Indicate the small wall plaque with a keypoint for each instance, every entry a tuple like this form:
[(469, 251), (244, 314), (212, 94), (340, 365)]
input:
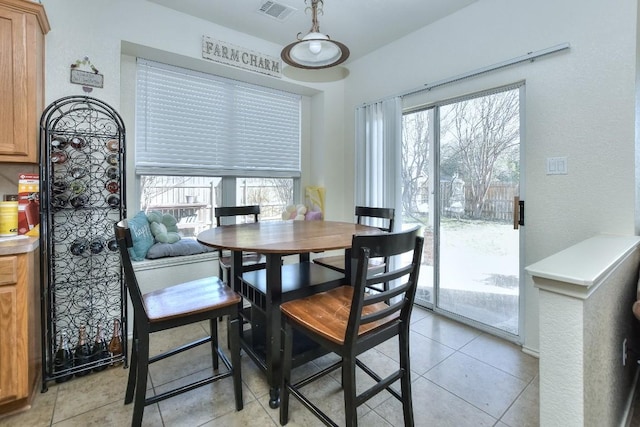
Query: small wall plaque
[(86, 78)]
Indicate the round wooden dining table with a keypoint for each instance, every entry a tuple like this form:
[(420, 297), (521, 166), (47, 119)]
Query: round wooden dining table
[(267, 289)]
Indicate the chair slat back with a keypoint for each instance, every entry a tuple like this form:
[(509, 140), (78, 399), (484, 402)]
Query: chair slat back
[(123, 237), (228, 211), (406, 246), (363, 212)]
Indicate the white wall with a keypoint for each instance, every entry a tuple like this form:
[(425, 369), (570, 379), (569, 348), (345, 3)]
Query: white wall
[(579, 104)]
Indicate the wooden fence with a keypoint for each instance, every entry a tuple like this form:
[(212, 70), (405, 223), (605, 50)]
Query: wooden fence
[(497, 206), (193, 201)]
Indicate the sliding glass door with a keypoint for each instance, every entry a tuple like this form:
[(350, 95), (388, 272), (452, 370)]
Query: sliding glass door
[(461, 175)]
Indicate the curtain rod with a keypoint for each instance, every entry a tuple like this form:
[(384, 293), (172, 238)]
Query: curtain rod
[(530, 57)]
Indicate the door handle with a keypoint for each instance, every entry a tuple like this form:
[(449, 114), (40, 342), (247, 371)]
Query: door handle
[(518, 212)]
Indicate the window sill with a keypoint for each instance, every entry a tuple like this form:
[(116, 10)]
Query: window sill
[(150, 264)]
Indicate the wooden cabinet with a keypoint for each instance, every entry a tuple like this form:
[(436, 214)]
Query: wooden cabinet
[(23, 25), (12, 384), (18, 330)]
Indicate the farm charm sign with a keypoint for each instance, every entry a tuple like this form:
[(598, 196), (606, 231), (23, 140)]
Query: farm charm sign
[(229, 54)]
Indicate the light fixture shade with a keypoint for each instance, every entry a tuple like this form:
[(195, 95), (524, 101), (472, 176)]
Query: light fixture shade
[(315, 53), (315, 50)]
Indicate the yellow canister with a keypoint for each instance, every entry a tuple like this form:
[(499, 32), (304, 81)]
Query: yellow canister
[(8, 218)]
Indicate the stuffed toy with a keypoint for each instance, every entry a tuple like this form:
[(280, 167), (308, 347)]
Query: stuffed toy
[(295, 212), (313, 216), (163, 227)]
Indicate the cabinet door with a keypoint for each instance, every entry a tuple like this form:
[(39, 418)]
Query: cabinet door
[(8, 350), (22, 82), (10, 387), (13, 90)]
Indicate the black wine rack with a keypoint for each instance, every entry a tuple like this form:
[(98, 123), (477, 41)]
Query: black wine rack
[(82, 195)]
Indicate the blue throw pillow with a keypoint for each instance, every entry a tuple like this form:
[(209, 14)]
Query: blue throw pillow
[(140, 235)]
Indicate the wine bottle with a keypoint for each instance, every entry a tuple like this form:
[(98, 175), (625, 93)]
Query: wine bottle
[(78, 142), (78, 173), (59, 142), (63, 359), (112, 187), (100, 350), (115, 345), (58, 202), (58, 156), (82, 354), (79, 246), (113, 201), (77, 186), (112, 159), (59, 187), (96, 246), (112, 245), (113, 145), (79, 201), (112, 172)]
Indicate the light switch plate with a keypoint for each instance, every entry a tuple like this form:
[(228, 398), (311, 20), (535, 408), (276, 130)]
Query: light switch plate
[(557, 166)]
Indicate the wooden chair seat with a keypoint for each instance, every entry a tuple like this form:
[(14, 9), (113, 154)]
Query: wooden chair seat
[(327, 314), (189, 298)]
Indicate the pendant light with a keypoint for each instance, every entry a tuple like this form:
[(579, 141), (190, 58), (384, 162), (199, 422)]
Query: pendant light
[(315, 50)]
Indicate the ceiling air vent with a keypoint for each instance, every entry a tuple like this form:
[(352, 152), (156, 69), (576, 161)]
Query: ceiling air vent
[(275, 10)]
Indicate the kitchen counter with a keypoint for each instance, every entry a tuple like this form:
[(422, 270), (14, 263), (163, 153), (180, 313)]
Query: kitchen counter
[(18, 245)]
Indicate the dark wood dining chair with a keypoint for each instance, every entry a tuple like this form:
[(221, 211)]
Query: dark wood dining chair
[(349, 321), (376, 265), (250, 260), (171, 307)]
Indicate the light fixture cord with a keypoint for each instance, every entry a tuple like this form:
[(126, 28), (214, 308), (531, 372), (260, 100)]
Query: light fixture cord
[(315, 26)]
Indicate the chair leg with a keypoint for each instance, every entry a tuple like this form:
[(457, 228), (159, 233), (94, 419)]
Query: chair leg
[(141, 380), (213, 330), (287, 343), (405, 381), (221, 276), (133, 368), (234, 341), (349, 386)]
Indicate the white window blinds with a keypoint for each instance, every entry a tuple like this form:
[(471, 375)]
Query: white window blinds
[(193, 123)]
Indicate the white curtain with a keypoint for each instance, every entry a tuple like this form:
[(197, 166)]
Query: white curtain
[(378, 155)]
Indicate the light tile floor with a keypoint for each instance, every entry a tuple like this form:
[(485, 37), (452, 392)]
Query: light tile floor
[(460, 377)]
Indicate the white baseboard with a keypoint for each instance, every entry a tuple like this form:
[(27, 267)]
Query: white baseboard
[(531, 352), (628, 408)]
